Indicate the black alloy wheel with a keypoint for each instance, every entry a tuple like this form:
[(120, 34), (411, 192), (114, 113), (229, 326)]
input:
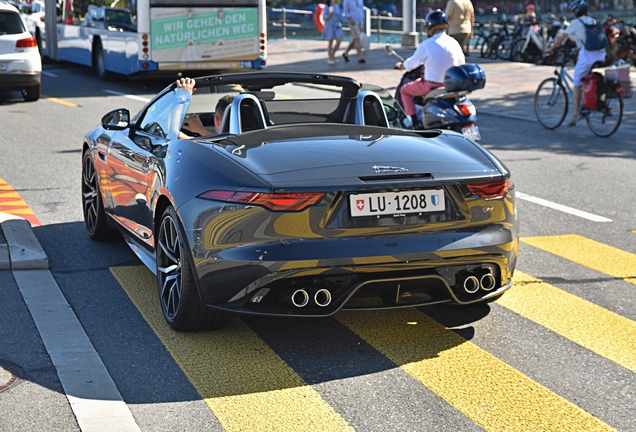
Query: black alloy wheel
[(93, 207), (178, 294)]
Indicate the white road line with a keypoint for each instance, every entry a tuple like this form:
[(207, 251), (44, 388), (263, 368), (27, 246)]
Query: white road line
[(50, 74), (563, 208), (138, 98), (89, 388)]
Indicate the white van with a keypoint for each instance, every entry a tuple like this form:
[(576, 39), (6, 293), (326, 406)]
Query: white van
[(20, 63)]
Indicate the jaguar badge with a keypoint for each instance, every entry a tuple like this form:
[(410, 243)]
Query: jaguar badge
[(386, 169)]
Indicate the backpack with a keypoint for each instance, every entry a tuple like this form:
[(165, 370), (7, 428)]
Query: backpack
[(595, 39)]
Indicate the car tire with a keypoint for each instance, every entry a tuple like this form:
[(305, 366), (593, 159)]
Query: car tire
[(38, 39), (178, 295), (31, 94), (92, 204), (99, 63)]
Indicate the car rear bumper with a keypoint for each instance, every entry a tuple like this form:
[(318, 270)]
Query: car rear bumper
[(319, 292), (19, 81), (254, 261), (384, 272)]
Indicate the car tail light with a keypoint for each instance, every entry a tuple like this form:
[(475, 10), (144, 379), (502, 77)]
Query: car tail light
[(273, 201), (29, 42), (491, 189), (466, 108)]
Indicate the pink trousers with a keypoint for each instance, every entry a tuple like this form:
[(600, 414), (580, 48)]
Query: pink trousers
[(419, 87)]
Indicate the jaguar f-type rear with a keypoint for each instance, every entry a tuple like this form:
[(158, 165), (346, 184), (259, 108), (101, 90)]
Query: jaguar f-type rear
[(312, 198)]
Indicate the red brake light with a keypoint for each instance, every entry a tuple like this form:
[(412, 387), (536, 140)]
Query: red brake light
[(466, 109), (273, 201), (491, 189), (29, 42)]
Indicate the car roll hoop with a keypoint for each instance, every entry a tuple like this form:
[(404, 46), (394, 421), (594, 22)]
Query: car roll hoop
[(369, 110), (243, 115)]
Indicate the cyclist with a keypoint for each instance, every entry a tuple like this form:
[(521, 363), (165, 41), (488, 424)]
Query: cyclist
[(437, 53), (586, 59)]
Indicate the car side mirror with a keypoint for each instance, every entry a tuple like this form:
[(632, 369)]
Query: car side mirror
[(118, 119)]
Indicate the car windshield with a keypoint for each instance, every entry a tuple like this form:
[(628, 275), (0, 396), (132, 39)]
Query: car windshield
[(286, 104), (296, 101), (10, 23)]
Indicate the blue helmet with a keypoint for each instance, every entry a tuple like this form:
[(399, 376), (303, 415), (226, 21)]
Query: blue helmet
[(435, 18), (579, 7)]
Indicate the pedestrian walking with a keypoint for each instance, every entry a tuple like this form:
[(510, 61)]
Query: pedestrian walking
[(332, 31), (353, 11), (461, 21)]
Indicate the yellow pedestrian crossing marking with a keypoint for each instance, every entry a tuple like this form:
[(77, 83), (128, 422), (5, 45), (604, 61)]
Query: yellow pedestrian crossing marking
[(488, 391), (227, 367), (593, 327), (589, 253), (244, 383)]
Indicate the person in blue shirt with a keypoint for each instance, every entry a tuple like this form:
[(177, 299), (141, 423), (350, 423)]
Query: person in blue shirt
[(332, 30)]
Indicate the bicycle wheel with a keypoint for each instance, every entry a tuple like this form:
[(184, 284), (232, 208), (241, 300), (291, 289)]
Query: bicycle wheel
[(515, 50), (604, 121), (551, 103), (503, 47), (476, 43), (487, 48)]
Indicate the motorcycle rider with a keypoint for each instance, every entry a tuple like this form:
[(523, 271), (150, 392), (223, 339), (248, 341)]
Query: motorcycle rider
[(437, 53), (586, 59)]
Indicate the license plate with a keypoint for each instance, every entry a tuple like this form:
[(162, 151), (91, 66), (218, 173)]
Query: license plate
[(397, 203), (472, 132), (3, 67)]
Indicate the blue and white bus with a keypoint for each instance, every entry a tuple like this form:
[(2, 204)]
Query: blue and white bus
[(132, 37)]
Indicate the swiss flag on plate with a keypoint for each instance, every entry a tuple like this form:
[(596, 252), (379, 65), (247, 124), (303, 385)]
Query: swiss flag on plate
[(360, 204)]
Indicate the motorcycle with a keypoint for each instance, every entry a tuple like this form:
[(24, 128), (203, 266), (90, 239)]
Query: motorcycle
[(446, 107), (622, 41)]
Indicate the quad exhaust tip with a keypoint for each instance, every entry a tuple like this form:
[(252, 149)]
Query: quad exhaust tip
[(300, 298), (487, 282), (322, 297), (472, 284)]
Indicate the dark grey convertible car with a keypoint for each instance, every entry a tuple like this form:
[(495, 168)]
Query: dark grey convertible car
[(310, 199)]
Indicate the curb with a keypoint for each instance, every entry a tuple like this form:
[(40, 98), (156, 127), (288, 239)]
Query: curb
[(22, 250)]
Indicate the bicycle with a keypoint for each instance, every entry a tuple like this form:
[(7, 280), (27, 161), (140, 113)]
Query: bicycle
[(551, 104), (529, 46), (498, 43), (478, 39)]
